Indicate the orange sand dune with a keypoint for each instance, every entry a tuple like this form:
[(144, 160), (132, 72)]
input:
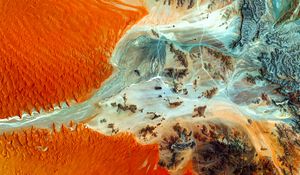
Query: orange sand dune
[(76, 151), (53, 51)]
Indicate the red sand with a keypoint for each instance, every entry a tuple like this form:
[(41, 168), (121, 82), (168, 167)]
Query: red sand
[(78, 152), (54, 51)]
